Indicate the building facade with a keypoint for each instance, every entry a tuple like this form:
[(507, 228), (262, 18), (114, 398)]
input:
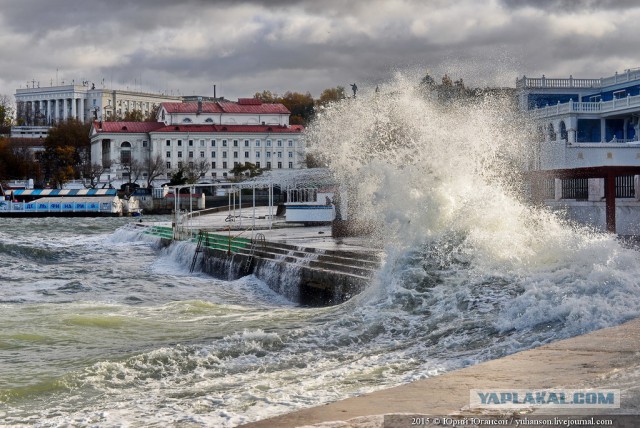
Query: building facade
[(585, 158), (39, 108), (212, 137)]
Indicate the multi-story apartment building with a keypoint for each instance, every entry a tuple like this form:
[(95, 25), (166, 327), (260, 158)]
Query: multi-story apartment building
[(216, 136)]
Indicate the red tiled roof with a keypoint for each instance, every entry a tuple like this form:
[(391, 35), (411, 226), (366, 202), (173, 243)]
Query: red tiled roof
[(192, 107), (230, 107), (127, 127), (241, 107), (231, 128)]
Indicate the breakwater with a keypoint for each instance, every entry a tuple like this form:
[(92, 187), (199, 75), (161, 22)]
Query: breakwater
[(303, 274)]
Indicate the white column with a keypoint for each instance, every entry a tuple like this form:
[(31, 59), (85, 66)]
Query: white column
[(49, 103), (64, 108), (33, 112), (74, 114), (82, 100)]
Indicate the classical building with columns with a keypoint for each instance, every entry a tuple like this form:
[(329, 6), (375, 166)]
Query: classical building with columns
[(585, 157), (38, 108), (214, 136)]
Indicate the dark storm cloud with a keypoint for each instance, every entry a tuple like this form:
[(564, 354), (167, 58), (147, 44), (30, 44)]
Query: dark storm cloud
[(572, 5), (307, 45)]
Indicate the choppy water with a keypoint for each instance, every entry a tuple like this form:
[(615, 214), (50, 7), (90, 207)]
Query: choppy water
[(100, 326)]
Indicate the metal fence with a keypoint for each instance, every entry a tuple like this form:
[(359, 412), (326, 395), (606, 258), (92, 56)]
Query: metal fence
[(625, 187), (575, 188)]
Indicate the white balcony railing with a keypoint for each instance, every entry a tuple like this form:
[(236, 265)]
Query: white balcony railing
[(587, 107), (544, 82)]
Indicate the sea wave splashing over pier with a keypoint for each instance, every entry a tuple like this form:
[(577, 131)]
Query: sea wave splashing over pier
[(439, 185), (106, 328)]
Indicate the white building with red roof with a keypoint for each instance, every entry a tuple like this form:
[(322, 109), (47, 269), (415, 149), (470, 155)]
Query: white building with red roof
[(211, 137)]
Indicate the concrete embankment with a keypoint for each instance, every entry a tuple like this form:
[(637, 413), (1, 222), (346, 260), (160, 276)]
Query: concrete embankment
[(607, 358), (303, 264)]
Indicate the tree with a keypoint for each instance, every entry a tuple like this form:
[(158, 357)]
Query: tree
[(196, 170), (6, 114), (241, 168), (152, 116), (300, 105), (66, 152), (331, 95), (94, 171), (178, 178), (266, 96), (133, 116), (154, 168)]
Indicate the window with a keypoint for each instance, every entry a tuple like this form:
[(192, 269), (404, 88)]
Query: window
[(201, 154), (246, 154), (235, 155), (268, 165), (213, 154), (257, 143), (257, 155), (279, 154), (186, 120), (214, 174), (180, 164), (179, 154), (268, 143), (179, 142), (168, 154), (279, 143), (246, 143), (190, 164), (235, 164), (268, 154), (224, 154), (209, 120), (145, 144), (201, 143), (258, 164), (213, 143), (224, 143), (168, 165), (190, 154), (168, 143), (290, 143), (235, 143), (224, 174), (213, 165), (290, 164), (279, 164), (190, 143), (224, 166), (290, 154)]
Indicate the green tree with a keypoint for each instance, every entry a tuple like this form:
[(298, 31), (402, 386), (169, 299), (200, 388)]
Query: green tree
[(67, 151), (331, 95), (241, 170), (6, 114), (300, 105), (267, 96), (133, 116)]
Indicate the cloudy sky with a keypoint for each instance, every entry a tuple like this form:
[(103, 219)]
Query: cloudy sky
[(186, 46)]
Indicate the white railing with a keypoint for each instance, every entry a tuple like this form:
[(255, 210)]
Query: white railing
[(587, 107), (544, 82)]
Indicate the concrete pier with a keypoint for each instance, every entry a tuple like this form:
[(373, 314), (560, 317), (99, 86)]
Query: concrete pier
[(607, 358)]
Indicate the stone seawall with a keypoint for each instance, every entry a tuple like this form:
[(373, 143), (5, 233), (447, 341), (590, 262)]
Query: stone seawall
[(307, 280)]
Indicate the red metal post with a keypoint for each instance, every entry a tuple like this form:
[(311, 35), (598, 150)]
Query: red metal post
[(610, 201)]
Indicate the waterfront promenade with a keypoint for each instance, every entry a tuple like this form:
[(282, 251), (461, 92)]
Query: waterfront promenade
[(606, 358)]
